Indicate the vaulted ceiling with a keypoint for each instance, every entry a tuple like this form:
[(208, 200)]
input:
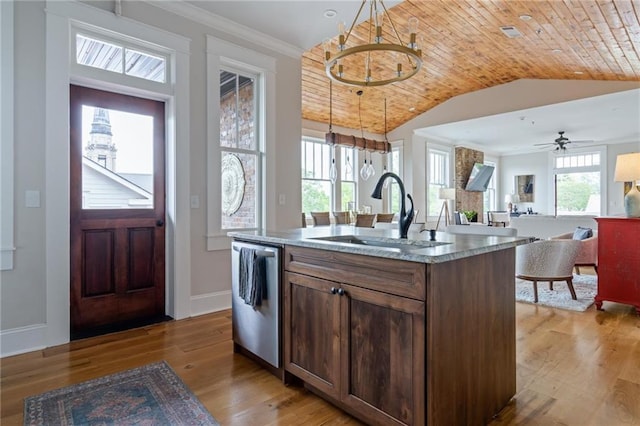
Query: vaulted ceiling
[(464, 50)]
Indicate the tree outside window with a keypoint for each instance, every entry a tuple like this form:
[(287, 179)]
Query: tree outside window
[(578, 184)]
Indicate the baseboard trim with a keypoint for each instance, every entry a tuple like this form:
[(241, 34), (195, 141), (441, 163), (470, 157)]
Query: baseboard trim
[(210, 302), (16, 341)]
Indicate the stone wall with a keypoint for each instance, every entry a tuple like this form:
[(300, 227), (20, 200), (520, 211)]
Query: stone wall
[(465, 158)]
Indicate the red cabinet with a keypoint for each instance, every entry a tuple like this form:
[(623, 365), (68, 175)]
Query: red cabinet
[(618, 261)]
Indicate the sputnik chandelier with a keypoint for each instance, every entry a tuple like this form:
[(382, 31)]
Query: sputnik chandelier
[(379, 61)]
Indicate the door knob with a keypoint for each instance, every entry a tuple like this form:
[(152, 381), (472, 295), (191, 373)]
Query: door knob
[(159, 222)]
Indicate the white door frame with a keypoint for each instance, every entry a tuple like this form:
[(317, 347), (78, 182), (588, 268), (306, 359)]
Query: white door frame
[(59, 18)]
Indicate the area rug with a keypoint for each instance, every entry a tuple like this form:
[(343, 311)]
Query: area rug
[(148, 395), (585, 285)]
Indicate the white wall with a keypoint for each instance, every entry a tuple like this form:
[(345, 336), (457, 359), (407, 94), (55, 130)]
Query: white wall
[(23, 290)]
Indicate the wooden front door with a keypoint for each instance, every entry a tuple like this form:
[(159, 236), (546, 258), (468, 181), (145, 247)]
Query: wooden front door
[(117, 209)]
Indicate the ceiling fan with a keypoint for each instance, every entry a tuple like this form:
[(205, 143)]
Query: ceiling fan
[(561, 142)]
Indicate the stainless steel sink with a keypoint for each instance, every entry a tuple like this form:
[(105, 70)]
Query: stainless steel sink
[(379, 242)]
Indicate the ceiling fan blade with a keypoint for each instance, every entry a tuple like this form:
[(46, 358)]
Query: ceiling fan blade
[(540, 144), (584, 141)]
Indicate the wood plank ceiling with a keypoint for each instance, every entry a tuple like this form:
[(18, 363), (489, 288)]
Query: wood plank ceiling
[(464, 50)]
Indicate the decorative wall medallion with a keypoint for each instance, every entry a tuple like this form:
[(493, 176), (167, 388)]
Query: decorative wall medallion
[(232, 184)]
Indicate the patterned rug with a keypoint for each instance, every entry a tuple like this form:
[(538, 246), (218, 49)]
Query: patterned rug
[(585, 285), (148, 395)]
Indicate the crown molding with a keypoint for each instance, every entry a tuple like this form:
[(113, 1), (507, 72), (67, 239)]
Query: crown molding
[(227, 26)]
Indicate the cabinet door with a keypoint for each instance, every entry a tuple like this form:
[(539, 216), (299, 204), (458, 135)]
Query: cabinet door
[(312, 331), (383, 350)]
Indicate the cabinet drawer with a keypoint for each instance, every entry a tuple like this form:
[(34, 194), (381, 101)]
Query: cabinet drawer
[(386, 275)]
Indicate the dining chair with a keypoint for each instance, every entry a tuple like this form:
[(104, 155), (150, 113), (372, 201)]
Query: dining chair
[(385, 217), (320, 218), (548, 260), (498, 218), (341, 218), (304, 220), (365, 220)]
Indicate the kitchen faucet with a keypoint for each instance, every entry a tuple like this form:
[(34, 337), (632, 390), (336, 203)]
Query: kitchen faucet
[(405, 217)]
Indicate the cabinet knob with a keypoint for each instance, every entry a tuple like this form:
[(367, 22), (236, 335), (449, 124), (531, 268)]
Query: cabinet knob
[(334, 290), (341, 291)]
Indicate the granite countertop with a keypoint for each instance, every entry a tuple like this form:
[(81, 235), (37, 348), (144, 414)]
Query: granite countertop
[(385, 242)]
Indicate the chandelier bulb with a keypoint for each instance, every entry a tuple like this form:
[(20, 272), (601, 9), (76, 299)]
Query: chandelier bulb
[(413, 29), (379, 20), (326, 46), (341, 37)]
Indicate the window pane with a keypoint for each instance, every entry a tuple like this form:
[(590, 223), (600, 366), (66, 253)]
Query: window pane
[(98, 54), (228, 109), (237, 111), (246, 113), (394, 196), (239, 178), (348, 194), (316, 195), (578, 193), (143, 65), (117, 159)]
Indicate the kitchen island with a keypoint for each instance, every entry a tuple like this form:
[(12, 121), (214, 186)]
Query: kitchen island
[(395, 331)]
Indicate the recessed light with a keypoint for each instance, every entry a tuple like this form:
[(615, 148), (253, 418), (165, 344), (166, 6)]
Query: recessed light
[(556, 51), (578, 72), (330, 13), (525, 17), (412, 109)]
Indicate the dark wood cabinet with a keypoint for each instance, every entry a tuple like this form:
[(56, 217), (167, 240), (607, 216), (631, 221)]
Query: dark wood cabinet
[(618, 261), (399, 342), (358, 346), (312, 332)]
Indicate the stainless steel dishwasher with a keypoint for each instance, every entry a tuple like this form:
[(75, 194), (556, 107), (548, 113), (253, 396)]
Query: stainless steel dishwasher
[(258, 330)]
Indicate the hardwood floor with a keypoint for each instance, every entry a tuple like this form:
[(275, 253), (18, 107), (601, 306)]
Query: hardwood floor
[(573, 369)]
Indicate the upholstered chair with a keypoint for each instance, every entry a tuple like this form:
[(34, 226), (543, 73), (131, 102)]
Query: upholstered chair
[(548, 260), (588, 254), (320, 218)]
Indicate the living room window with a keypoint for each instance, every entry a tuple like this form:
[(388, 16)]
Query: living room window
[(318, 192), (394, 164), (438, 160), (489, 196), (578, 183)]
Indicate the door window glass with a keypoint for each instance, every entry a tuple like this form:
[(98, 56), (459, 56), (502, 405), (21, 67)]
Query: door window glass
[(117, 159)]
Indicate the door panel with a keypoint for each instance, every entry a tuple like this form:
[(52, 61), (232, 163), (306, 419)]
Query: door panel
[(117, 208), (98, 254), (312, 344), (385, 349)]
